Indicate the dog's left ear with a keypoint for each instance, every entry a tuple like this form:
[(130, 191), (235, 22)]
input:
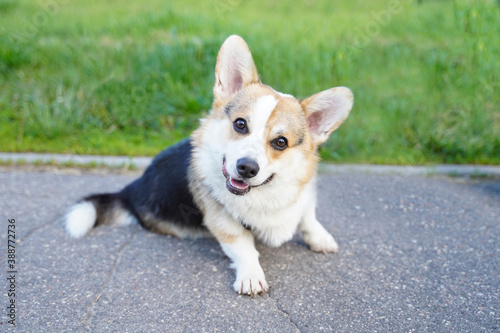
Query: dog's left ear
[(326, 111), (235, 68)]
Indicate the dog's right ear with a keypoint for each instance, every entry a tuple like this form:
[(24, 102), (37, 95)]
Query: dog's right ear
[(235, 68)]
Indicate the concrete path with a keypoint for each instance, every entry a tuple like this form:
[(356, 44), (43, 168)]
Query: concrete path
[(417, 255)]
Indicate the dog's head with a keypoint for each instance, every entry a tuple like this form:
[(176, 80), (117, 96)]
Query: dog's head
[(259, 136)]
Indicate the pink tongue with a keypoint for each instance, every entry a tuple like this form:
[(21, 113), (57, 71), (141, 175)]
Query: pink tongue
[(238, 184)]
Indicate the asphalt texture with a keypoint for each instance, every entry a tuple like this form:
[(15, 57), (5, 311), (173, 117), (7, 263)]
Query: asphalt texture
[(417, 254)]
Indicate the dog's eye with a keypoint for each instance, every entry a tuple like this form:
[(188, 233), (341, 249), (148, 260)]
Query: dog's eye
[(280, 143), (240, 125)]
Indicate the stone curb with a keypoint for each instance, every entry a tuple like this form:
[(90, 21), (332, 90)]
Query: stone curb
[(71, 159), (462, 170), (143, 162)]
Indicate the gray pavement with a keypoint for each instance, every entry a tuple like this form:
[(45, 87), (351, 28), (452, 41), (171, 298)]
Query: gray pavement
[(418, 254)]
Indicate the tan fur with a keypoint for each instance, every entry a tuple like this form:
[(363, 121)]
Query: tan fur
[(164, 227), (221, 235), (287, 115)]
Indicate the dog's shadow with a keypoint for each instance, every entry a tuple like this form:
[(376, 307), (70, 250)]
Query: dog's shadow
[(196, 262)]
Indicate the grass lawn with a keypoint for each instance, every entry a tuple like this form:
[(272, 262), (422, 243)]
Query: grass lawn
[(130, 77)]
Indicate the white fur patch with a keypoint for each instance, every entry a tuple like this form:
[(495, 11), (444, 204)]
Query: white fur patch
[(263, 108), (283, 94), (80, 219), (250, 278)]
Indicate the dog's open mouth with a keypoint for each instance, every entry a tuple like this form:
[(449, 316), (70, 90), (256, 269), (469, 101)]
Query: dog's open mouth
[(238, 186)]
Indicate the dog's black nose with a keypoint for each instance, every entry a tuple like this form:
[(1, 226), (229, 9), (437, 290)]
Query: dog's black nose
[(247, 168)]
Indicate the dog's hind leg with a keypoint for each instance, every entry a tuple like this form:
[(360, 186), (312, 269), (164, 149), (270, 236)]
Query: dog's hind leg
[(314, 234)]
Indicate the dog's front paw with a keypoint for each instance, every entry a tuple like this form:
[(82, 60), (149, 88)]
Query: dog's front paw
[(251, 284), (322, 243)]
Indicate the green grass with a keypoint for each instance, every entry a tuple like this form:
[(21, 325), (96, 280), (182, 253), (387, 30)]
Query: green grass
[(125, 77)]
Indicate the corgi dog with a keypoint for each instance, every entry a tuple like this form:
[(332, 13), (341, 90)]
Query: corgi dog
[(248, 172)]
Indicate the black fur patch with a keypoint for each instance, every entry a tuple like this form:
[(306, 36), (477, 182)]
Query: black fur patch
[(163, 192), (246, 226)]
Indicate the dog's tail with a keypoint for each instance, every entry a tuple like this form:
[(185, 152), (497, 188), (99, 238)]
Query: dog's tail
[(95, 210)]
